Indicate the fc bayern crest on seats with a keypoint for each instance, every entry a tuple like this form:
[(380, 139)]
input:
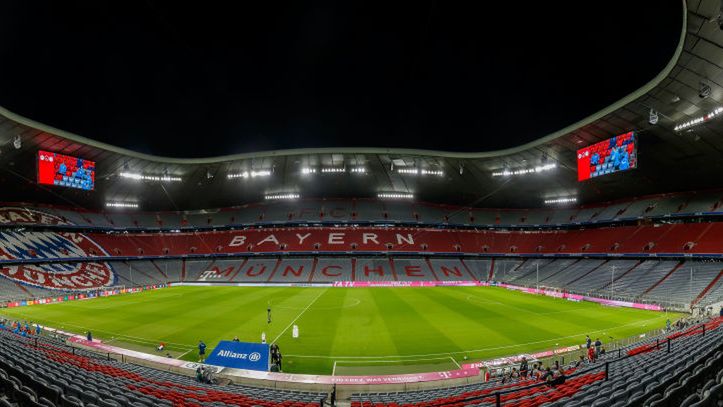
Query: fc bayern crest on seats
[(30, 216), (65, 276)]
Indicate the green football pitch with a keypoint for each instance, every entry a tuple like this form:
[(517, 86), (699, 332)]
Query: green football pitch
[(347, 330)]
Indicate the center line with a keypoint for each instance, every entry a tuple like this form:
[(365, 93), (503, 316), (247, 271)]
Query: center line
[(297, 317)]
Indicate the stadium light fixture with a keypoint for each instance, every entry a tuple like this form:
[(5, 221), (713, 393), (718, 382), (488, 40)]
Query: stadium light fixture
[(525, 171), (359, 170), (131, 205), (308, 170), (250, 174), (332, 170), (288, 196), (570, 199), (412, 171), (699, 120), (416, 171), (143, 177), (394, 195)]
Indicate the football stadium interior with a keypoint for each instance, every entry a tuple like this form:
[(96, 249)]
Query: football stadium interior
[(381, 277)]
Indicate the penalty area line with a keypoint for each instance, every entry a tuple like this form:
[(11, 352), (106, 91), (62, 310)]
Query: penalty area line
[(297, 317)]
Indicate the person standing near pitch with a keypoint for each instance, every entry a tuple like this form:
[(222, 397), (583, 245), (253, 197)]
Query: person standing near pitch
[(201, 351), (268, 314)]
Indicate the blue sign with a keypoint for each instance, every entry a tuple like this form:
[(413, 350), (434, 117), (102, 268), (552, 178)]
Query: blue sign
[(240, 355)]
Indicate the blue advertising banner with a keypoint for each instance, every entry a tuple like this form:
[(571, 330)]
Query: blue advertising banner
[(240, 355)]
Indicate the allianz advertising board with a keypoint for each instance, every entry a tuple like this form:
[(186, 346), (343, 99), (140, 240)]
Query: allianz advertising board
[(240, 355)]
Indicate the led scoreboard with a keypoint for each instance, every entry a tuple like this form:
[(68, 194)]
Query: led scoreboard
[(616, 154), (65, 171)]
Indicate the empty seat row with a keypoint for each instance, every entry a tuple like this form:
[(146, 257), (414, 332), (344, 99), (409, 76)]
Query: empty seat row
[(49, 374), (361, 210), (657, 377)]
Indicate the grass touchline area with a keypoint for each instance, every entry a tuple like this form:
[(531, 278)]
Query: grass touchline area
[(347, 330)]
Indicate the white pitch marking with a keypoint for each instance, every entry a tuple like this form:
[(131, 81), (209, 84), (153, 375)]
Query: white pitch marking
[(517, 345), (474, 299), (355, 302), (184, 354), (297, 317), (392, 361)]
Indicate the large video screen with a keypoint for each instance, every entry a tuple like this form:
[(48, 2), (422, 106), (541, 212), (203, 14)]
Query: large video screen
[(65, 171), (616, 154)]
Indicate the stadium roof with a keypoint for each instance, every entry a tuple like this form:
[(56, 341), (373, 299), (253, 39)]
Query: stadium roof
[(670, 160)]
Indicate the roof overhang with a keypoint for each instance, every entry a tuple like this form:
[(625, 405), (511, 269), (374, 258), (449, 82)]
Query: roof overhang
[(669, 160)]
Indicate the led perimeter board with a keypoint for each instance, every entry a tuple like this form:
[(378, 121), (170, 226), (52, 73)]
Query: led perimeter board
[(616, 154), (65, 171)]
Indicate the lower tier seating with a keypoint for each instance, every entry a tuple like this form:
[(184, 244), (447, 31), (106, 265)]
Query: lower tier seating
[(49, 374), (691, 371), (679, 238), (684, 368), (665, 282)]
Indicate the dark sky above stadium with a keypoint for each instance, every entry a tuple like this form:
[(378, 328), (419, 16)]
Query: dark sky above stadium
[(213, 78)]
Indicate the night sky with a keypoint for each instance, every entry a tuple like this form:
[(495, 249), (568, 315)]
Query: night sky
[(206, 79)]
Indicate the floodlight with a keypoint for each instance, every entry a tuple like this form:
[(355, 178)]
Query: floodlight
[(525, 171), (286, 196), (249, 174), (131, 205), (144, 177), (561, 200), (394, 195), (699, 120)]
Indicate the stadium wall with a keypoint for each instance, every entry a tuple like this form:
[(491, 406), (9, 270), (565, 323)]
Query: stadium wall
[(671, 283)]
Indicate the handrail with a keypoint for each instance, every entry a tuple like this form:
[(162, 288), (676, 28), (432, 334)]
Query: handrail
[(499, 393), (668, 305)]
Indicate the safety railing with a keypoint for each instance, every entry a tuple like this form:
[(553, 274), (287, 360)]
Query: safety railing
[(603, 366), (666, 344)]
